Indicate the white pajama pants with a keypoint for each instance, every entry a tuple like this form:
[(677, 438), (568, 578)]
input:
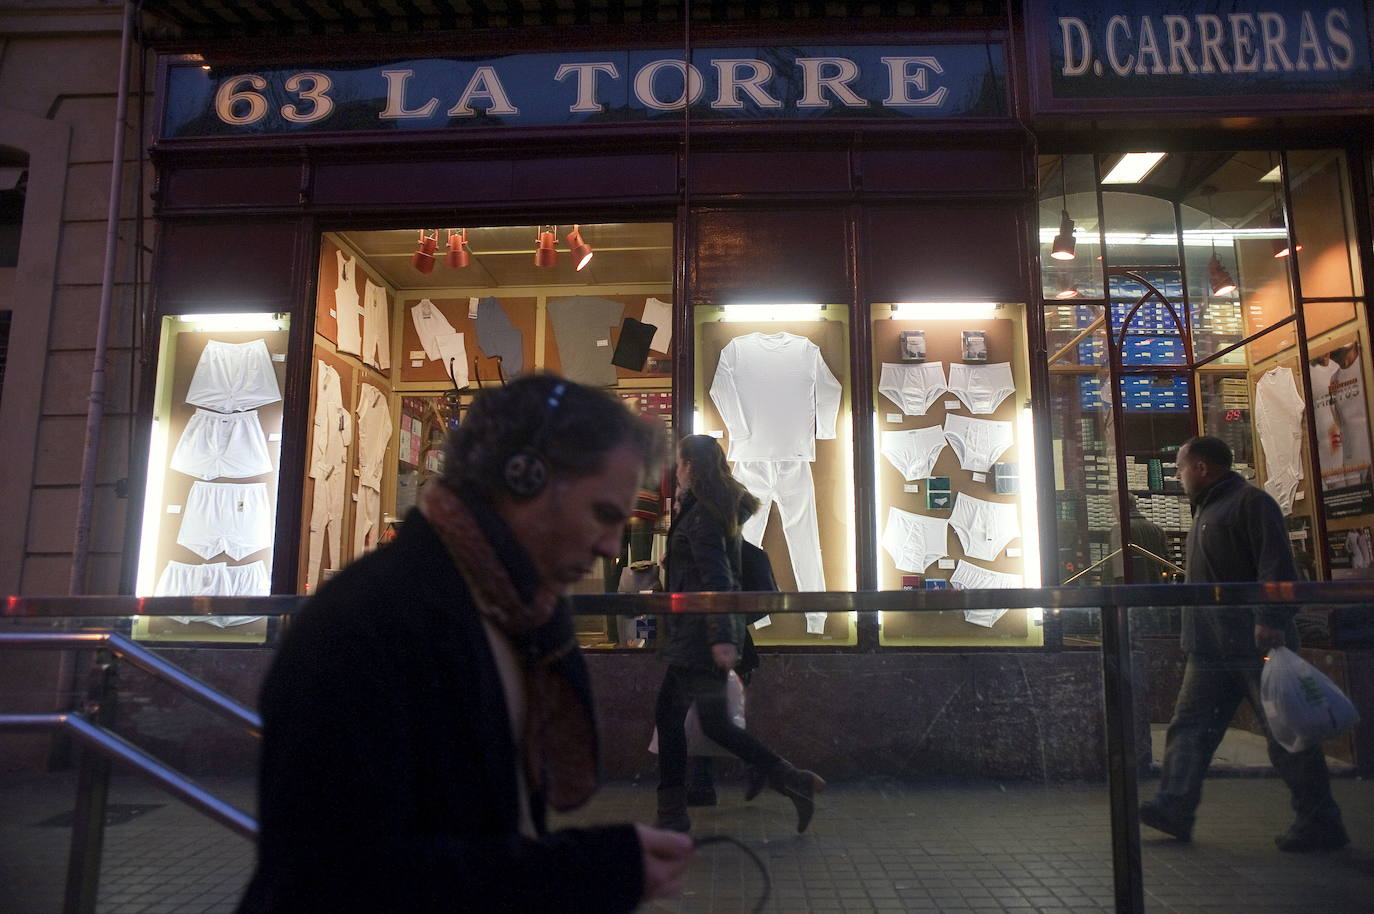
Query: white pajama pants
[(788, 482), (376, 328), (368, 527), (326, 519)]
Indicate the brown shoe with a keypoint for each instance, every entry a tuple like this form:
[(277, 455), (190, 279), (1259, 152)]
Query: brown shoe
[(799, 786)]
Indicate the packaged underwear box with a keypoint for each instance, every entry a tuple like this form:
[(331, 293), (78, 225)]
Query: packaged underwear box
[(1006, 478), (939, 494)]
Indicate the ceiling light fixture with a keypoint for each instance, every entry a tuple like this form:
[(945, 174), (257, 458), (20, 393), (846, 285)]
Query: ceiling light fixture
[(1133, 167), (581, 250), (458, 254), (546, 254), (423, 258), (1064, 247), (1069, 291), (1219, 281)]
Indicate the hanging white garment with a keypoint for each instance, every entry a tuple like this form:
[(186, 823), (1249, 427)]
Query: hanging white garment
[(347, 308), (333, 433), (776, 396), (789, 484), (374, 431), (1278, 419), (376, 327)]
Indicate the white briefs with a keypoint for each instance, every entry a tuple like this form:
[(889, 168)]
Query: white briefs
[(977, 442), (912, 387), (231, 377), (215, 579), (983, 527), (228, 517), (914, 451), (982, 388), (914, 540), (215, 445), (968, 576)]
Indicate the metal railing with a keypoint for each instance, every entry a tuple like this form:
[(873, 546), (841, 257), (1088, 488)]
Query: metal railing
[(101, 747), (1113, 602)]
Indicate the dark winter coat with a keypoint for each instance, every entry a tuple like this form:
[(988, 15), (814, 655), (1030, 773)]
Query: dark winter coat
[(701, 556), (1238, 534), (387, 777)]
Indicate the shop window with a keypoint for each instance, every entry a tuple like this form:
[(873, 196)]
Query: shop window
[(1200, 267), (214, 460), (410, 325), (955, 469), (781, 372)]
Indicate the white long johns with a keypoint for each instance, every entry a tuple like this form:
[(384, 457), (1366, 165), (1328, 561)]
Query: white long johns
[(789, 484), (376, 327), (333, 433), (1278, 419), (374, 431)]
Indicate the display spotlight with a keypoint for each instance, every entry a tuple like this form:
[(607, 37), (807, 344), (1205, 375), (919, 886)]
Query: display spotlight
[(1064, 247), (1219, 278), (458, 254), (423, 258), (581, 250), (1281, 248), (1070, 291), (546, 255)]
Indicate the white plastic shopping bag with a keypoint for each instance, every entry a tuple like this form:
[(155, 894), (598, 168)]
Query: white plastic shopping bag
[(698, 743), (1303, 707)]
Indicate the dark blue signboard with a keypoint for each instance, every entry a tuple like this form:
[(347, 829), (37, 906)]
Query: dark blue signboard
[(1142, 49), (937, 81)]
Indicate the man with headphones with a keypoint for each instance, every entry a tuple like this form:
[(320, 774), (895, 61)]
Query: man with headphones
[(430, 702)]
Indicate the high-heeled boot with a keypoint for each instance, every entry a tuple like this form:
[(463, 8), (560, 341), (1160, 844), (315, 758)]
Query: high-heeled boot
[(672, 809), (798, 785)]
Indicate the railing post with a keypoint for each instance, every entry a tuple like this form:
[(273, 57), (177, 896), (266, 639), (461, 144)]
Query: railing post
[(1119, 700), (92, 792)]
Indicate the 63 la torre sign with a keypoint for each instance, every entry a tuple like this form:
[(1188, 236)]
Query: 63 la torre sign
[(1206, 49), (936, 81)]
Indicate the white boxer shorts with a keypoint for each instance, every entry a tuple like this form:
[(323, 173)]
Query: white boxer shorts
[(233, 518), (215, 445), (231, 377)]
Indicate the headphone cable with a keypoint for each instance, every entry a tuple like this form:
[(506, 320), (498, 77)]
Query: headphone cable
[(763, 870)]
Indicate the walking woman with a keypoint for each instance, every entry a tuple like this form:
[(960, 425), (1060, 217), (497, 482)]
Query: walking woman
[(700, 650)]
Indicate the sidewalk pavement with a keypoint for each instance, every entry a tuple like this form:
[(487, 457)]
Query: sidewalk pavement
[(874, 847)]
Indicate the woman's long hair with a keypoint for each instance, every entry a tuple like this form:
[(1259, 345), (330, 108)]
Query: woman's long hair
[(712, 484)]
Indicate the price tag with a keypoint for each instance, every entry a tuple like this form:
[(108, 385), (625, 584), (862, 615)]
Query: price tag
[(333, 313), (417, 363), (945, 564), (603, 342), (355, 496), (1300, 495), (980, 477), (473, 304), (1013, 552), (952, 404), (174, 509), (279, 357), (912, 487), (894, 417), (275, 436), (417, 353)]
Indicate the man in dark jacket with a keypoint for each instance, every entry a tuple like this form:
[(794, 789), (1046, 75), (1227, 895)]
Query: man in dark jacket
[(430, 700), (1238, 534)]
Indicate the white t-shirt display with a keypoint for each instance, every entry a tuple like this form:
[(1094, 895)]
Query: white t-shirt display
[(1278, 419), (776, 396)]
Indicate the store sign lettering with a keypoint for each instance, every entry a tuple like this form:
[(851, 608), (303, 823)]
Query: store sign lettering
[(1207, 48), (943, 81)]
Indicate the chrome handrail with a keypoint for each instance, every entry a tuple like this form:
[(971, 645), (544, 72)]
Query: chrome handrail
[(1061, 597), (120, 750), (145, 660)]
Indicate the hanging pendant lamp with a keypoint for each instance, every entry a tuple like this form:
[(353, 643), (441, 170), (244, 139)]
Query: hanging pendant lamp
[(458, 255), (581, 251), (546, 255)]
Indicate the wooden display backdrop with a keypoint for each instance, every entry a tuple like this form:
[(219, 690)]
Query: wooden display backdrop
[(944, 343), (345, 366), (834, 498), (632, 306)]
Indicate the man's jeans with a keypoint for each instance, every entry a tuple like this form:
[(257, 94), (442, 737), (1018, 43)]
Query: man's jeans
[(1212, 690)]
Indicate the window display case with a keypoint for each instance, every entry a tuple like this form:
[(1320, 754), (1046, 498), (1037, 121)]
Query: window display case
[(772, 382), (213, 469), (955, 467)]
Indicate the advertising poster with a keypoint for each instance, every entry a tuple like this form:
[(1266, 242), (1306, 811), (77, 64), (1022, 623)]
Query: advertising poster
[(1352, 553), (1342, 417)]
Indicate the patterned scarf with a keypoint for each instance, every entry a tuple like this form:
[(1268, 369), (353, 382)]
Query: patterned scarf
[(561, 751)]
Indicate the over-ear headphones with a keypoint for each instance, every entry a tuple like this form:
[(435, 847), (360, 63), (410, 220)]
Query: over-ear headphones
[(526, 472)]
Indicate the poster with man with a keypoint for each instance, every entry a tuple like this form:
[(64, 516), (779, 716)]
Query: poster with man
[(1342, 416)]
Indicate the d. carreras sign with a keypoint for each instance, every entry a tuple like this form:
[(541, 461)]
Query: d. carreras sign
[(1208, 49), (966, 80)]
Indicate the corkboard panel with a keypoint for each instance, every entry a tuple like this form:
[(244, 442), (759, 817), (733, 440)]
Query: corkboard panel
[(188, 347), (944, 343), (553, 361), (347, 369), (829, 471), (522, 314)]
